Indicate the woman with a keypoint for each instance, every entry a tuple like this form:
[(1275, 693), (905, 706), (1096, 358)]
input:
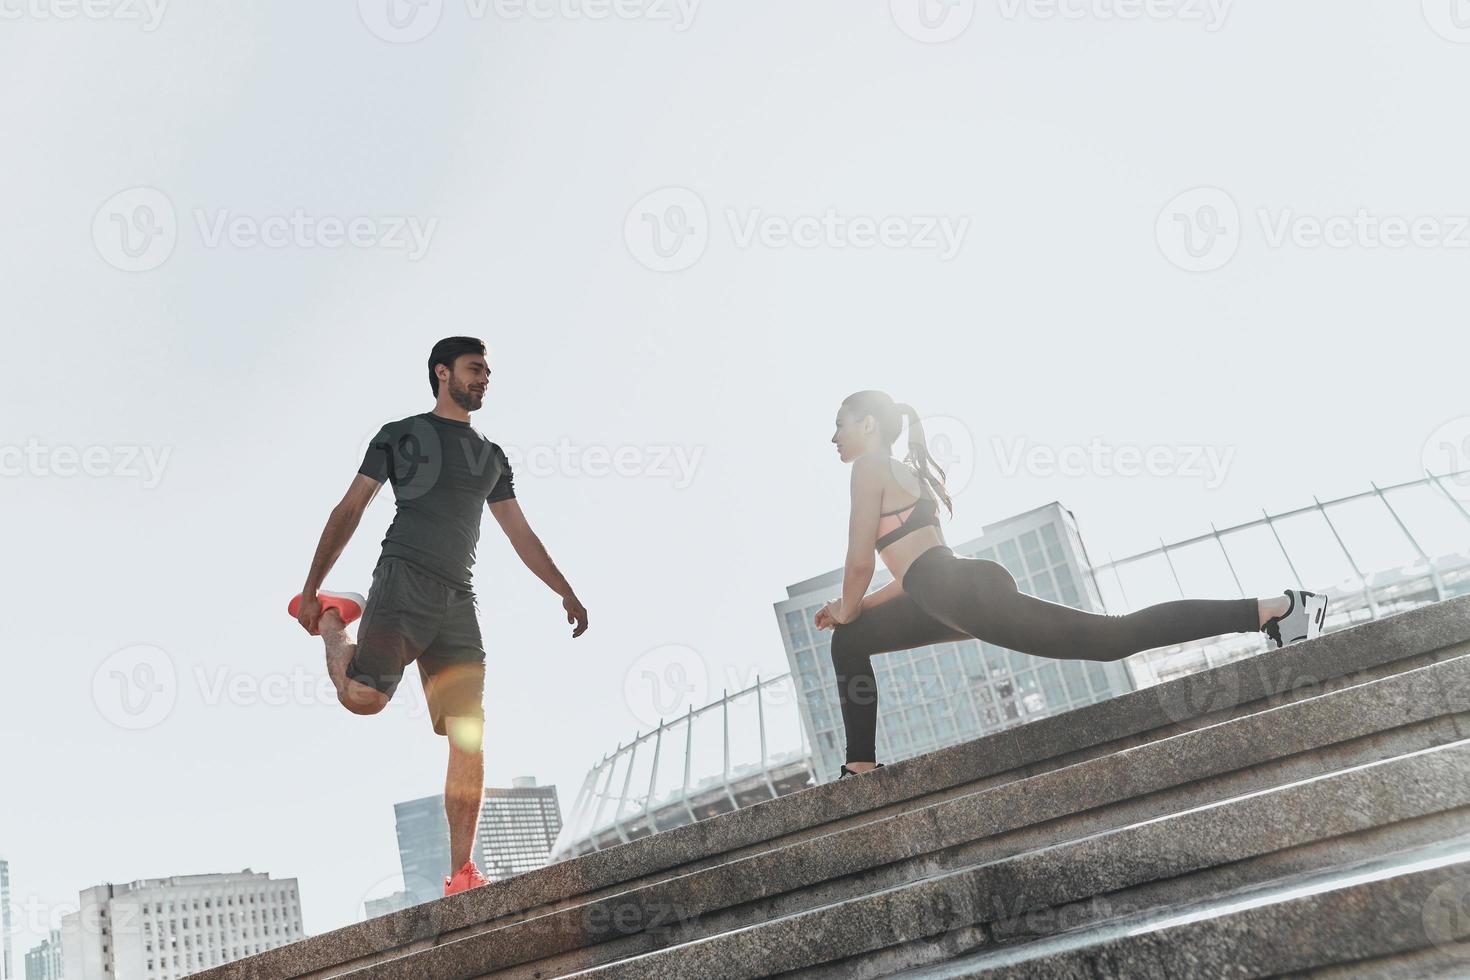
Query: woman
[(937, 596)]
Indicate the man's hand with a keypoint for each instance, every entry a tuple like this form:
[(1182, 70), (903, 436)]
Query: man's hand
[(576, 613), (309, 614)]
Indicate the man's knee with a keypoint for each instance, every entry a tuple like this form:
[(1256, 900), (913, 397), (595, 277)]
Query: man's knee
[(466, 734), (361, 699)]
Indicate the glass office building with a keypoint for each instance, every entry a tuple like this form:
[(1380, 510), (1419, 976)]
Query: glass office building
[(518, 827)]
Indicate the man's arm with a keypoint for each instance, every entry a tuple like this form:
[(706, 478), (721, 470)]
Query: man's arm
[(533, 553), (341, 523)]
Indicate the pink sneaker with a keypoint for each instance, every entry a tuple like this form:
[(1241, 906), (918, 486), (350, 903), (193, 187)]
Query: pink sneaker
[(464, 879), (348, 604)]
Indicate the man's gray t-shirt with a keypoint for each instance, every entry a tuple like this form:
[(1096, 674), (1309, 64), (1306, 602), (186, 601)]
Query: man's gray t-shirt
[(443, 473)]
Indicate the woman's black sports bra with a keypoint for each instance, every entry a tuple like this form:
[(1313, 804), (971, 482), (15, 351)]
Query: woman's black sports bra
[(923, 512)]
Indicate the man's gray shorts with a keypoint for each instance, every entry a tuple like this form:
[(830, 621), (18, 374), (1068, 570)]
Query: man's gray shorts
[(413, 617)]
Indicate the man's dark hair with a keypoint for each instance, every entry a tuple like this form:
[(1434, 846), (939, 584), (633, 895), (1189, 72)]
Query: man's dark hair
[(446, 350)]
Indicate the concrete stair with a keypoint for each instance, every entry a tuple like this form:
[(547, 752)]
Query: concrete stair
[(1306, 811)]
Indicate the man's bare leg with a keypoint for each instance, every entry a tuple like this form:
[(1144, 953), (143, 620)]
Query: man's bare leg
[(464, 786), (356, 697)]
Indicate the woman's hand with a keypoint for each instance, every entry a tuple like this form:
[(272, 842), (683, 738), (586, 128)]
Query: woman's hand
[(831, 615)]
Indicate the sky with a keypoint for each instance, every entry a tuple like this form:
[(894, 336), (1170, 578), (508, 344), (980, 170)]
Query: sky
[(1231, 235)]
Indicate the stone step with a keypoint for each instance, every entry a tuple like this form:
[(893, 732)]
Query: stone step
[(1416, 799), (1400, 916), (1330, 664), (1370, 722)]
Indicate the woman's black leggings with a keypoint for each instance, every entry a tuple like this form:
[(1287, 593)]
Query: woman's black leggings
[(946, 597)]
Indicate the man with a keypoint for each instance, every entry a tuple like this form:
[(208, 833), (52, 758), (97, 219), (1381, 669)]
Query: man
[(421, 607)]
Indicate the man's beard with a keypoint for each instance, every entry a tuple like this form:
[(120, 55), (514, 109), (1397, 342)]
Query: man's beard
[(464, 398)]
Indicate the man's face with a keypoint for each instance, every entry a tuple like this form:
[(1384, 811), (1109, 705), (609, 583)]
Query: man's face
[(468, 380)]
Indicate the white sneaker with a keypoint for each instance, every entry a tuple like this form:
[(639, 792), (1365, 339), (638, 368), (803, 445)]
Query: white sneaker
[(1302, 621)]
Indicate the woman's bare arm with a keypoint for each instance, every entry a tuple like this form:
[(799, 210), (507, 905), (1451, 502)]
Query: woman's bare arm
[(862, 533)]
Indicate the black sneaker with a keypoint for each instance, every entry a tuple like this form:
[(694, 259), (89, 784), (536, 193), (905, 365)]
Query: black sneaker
[(1302, 620), (848, 772)]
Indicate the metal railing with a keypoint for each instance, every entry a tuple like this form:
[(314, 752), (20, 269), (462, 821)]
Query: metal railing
[(610, 808)]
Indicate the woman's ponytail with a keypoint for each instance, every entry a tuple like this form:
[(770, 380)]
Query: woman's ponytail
[(920, 458)]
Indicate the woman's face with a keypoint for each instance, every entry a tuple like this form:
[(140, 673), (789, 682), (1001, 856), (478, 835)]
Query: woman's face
[(852, 435)]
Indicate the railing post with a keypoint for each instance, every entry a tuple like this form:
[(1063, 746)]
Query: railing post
[(760, 714), (1433, 572), (1287, 555), (1228, 563), (1367, 591)]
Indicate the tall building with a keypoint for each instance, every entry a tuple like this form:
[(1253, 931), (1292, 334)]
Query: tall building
[(44, 961), (163, 928), (518, 827), (946, 693), (5, 960), (423, 847)]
